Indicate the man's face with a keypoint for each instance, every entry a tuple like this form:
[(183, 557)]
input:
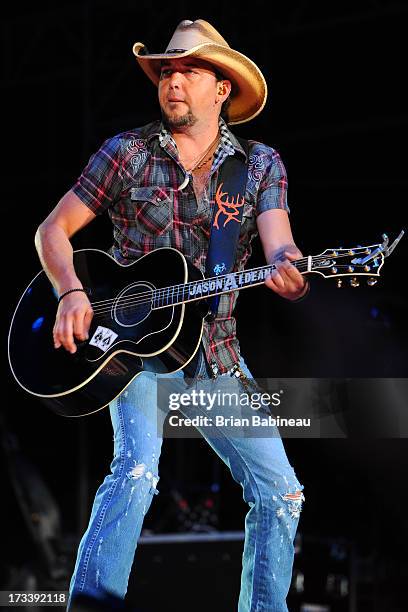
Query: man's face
[(187, 92)]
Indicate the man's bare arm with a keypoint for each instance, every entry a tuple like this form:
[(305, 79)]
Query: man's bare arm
[(279, 248), (54, 248), (53, 244)]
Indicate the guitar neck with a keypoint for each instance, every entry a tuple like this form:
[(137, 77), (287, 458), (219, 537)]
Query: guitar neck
[(217, 285)]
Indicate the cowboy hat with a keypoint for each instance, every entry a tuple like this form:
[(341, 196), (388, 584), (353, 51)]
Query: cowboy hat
[(200, 40)]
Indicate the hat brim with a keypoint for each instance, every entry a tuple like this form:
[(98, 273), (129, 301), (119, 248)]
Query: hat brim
[(249, 86)]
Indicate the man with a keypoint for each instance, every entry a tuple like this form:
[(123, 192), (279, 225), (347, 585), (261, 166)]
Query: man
[(158, 184)]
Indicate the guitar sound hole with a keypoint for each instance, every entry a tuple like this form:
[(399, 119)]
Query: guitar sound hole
[(133, 305)]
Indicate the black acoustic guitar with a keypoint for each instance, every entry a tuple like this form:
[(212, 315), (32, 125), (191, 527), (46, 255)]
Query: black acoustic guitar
[(148, 316)]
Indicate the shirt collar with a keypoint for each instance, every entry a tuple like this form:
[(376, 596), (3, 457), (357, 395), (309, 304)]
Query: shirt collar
[(228, 141)]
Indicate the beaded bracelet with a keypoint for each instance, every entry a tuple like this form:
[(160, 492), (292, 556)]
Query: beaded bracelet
[(69, 291)]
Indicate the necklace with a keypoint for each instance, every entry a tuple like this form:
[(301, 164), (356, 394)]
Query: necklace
[(204, 159), (200, 165)]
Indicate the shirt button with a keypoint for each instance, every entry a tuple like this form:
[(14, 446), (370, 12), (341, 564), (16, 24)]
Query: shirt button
[(158, 199)]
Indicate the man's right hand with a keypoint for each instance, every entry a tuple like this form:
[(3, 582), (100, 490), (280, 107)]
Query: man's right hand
[(73, 320)]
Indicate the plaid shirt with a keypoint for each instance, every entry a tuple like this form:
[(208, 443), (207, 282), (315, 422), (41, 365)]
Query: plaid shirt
[(137, 177)]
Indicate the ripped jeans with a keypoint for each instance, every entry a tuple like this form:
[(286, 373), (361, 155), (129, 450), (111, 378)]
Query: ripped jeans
[(259, 464)]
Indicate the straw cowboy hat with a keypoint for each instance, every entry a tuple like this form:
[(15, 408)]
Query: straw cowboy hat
[(200, 40)]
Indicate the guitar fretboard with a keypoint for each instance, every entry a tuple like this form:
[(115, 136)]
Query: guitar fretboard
[(233, 281)]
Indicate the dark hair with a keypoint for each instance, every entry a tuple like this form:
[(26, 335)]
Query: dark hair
[(226, 104)]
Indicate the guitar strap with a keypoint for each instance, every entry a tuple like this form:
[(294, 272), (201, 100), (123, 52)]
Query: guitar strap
[(226, 219)]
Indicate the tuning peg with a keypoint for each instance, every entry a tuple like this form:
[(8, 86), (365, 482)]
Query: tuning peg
[(354, 282), (371, 281), (339, 283)]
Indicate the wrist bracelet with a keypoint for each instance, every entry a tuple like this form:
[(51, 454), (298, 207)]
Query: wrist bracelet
[(69, 291)]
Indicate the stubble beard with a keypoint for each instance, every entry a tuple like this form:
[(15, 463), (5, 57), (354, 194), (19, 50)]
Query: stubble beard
[(177, 121)]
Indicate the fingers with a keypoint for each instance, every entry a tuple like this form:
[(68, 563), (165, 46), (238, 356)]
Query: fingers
[(63, 334), (72, 322), (286, 279), (80, 327), (87, 322)]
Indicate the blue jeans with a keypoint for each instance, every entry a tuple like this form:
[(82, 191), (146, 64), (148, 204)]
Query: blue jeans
[(259, 464)]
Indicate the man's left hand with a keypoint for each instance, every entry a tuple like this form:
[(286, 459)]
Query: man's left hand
[(286, 280)]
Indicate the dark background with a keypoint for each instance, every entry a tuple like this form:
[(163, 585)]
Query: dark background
[(337, 114)]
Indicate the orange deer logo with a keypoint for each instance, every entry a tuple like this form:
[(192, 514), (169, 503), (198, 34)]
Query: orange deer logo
[(223, 205)]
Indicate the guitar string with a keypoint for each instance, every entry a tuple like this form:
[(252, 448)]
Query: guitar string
[(134, 304), (148, 298), (160, 293)]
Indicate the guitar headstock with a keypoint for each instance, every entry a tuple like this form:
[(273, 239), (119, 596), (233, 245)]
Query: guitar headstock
[(354, 262)]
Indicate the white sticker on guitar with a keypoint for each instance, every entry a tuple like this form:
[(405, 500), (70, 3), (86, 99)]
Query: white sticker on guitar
[(103, 338)]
